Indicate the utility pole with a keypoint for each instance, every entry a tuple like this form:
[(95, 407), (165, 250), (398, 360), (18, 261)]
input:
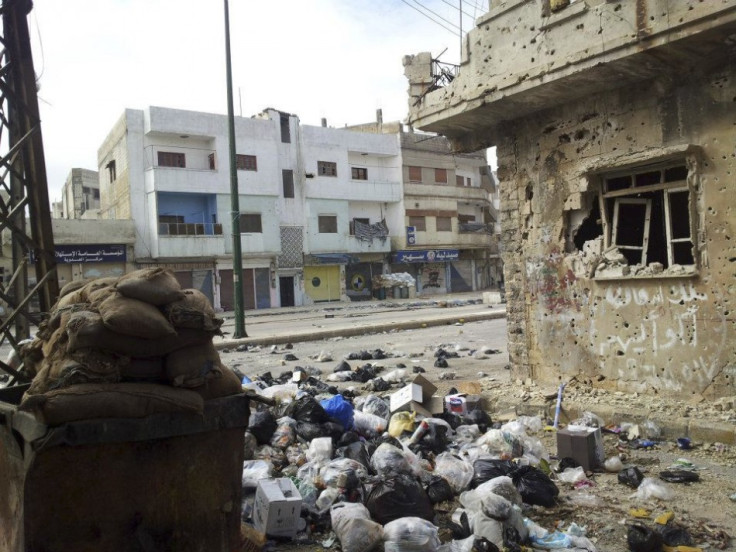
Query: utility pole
[(461, 32), (234, 198)]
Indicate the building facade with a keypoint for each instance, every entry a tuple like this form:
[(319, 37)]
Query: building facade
[(80, 195), (316, 204), (614, 126)]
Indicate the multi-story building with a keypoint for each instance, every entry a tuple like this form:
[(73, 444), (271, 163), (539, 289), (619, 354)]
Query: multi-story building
[(614, 126), (449, 230), (80, 195), (315, 203)]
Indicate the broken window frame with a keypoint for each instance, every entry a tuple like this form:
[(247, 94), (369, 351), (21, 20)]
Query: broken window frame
[(666, 188), (645, 234)]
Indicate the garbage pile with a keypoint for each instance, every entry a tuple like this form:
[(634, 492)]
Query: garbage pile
[(373, 471), (125, 347)]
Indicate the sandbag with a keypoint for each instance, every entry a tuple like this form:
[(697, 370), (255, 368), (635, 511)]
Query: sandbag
[(193, 311), (86, 330), (395, 497), (144, 369), (69, 287), (70, 299), (110, 400), (133, 317), (84, 366), (156, 286), (225, 385), (193, 366)]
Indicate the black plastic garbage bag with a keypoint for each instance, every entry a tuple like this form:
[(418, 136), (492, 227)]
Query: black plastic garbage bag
[(534, 486), (454, 420), (480, 417), (378, 385), (396, 497), (511, 539), (567, 462), (307, 409), (388, 439), (309, 430), (439, 490), (485, 469), (482, 544), (342, 367), (364, 373), (675, 535), (435, 439), (679, 476), (333, 429), (643, 539), (356, 451), (631, 477), (441, 363), (378, 354), (347, 438), (262, 425)]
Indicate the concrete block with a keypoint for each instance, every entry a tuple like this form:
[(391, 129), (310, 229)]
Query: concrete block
[(491, 297)]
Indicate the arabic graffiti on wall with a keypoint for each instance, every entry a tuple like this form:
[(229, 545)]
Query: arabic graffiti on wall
[(433, 276), (90, 253)]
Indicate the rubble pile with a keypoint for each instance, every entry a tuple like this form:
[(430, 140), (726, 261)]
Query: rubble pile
[(125, 347)]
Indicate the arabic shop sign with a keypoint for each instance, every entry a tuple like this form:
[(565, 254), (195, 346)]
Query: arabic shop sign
[(426, 256), (108, 253)]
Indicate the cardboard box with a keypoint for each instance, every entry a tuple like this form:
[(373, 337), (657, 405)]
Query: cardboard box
[(429, 408), (277, 507), (419, 390), (461, 403), (582, 444)]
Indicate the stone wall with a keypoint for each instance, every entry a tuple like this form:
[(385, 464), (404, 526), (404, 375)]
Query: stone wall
[(569, 312)]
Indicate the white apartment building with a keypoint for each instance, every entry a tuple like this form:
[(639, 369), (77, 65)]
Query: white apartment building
[(317, 205)]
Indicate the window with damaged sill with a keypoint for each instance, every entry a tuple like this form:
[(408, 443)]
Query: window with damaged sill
[(647, 222)]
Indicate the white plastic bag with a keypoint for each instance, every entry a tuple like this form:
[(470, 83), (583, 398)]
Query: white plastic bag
[(368, 425), (330, 473), (653, 488), (354, 528), (320, 449), (253, 471), (572, 475), (387, 460), (409, 534), (457, 472)]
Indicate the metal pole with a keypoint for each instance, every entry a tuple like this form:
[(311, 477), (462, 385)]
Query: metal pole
[(234, 199)]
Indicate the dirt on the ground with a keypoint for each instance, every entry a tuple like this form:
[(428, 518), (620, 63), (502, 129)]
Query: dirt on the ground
[(704, 508)]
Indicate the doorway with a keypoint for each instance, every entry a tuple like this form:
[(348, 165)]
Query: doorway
[(286, 290)]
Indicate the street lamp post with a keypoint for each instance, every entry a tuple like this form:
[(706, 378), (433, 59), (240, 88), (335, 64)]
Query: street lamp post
[(234, 198)]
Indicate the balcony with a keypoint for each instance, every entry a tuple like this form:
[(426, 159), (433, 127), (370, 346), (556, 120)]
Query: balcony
[(464, 193), (189, 229), (173, 169), (475, 228), (354, 190)]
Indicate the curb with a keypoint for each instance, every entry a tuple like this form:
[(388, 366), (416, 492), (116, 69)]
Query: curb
[(697, 430), (360, 330)]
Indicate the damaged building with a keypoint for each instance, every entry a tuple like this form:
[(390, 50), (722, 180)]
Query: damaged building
[(615, 126)]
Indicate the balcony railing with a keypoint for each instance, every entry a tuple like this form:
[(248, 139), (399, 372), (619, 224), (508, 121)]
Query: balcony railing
[(197, 159), (189, 229), (475, 228)]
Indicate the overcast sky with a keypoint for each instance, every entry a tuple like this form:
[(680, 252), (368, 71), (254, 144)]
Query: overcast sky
[(337, 59)]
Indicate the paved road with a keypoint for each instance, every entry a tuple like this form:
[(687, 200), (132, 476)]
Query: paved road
[(298, 324)]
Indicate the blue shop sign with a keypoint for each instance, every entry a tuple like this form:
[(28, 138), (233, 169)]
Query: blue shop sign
[(90, 253), (427, 256)]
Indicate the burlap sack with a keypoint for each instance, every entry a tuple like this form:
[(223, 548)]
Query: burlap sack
[(86, 330), (227, 384), (74, 285), (77, 296), (193, 366), (97, 284), (157, 286), (110, 400), (193, 311), (144, 369), (133, 317), (98, 296), (58, 340), (31, 355)]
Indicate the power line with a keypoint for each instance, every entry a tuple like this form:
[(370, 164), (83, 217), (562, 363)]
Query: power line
[(437, 15), (453, 6), (430, 18)]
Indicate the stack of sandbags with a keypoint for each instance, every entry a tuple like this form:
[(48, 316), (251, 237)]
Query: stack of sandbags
[(139, 335)]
